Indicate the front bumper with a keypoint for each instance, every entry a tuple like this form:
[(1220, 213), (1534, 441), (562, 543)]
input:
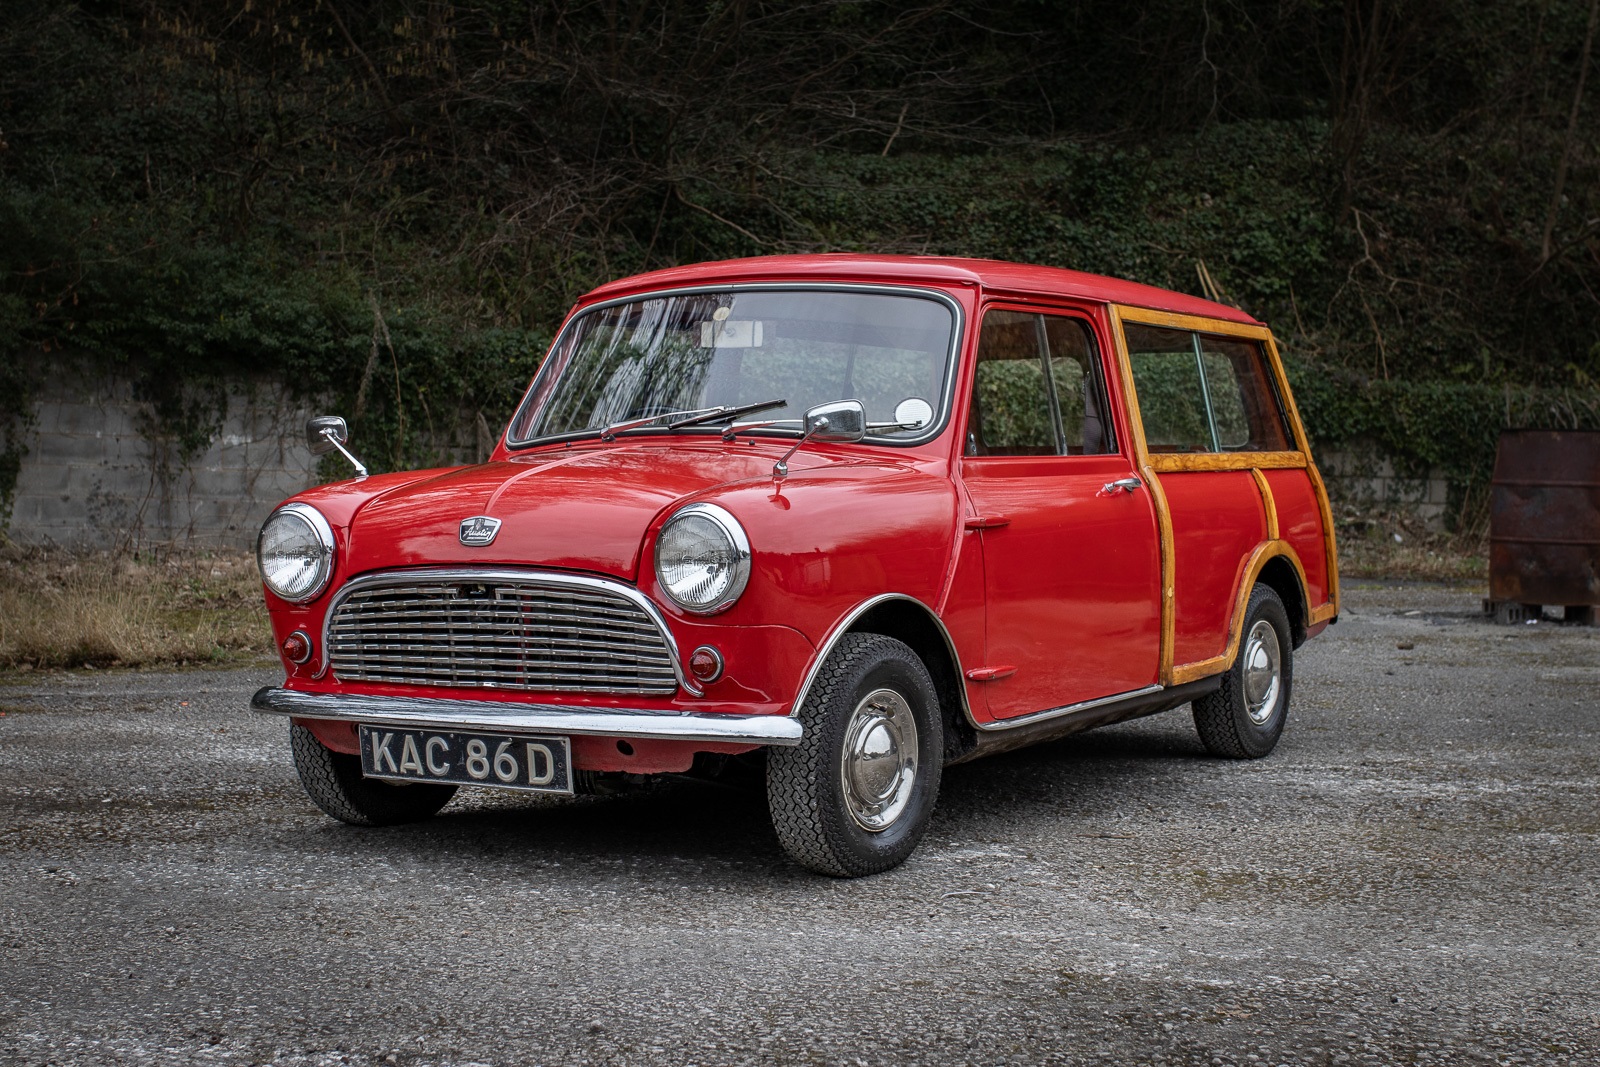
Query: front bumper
[(494, 716)]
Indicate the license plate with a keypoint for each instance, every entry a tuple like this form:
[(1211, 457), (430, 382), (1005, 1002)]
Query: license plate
[(506, 761)]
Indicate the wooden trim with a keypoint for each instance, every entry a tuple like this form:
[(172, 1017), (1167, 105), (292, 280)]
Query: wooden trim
[(1226, 461), (1268, 505), (1324, 613), (1158, 495), (1198, 323), (1266, 550), (1169, 603), (1130, 395), (1204, 668), (1318, 485)]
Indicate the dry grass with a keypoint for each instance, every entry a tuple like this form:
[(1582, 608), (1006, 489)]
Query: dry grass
[(102, 610), (60, 610), (1389, 546)]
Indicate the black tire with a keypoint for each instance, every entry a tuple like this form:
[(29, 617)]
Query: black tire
[(335, 784), (816, 821), (1235, 722)]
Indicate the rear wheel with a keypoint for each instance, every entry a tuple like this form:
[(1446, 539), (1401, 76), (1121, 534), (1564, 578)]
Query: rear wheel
[(1244, 717), (854, 797), (335, 784)]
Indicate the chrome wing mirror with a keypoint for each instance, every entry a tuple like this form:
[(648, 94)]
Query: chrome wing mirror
[(842, 422), (328, 433)]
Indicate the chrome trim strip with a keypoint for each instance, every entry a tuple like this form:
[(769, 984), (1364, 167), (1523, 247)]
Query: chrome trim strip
[(495, 715), (460, 574), (1070, 709), (953, 361), (842, 627)]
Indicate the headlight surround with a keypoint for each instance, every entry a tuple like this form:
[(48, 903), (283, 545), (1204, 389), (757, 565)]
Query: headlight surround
[(703, 559), (295, 552)]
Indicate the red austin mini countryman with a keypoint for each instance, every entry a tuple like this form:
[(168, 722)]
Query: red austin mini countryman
[(867, 516)]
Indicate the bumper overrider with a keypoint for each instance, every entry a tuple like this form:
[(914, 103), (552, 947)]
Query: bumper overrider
[(433, 713)]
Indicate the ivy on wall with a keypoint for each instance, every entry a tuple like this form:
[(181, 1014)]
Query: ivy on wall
[(389, 205)]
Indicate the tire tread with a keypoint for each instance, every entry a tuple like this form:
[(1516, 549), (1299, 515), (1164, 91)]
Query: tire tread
[(796, 776), (334, 782), (1220, 716)]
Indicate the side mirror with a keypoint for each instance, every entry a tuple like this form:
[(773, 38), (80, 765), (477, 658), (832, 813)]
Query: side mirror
[(328, 433), (318, 437), (843, 422)]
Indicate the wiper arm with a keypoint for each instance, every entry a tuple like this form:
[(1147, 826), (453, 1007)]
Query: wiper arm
[(716, 414), (730, 432), (610, 432)]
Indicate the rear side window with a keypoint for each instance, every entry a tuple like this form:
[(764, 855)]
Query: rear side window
[(1037, 389), (1201, 393)]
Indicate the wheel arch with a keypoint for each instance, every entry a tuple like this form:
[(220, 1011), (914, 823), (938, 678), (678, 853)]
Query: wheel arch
[(913, 623), (1274, 564), (1280, 575)]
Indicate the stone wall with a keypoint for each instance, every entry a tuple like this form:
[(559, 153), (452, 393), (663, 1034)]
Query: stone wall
[(96, 475), (1367, 480)]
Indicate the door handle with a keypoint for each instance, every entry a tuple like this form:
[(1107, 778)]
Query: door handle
[(1130, 484), (988, 522)]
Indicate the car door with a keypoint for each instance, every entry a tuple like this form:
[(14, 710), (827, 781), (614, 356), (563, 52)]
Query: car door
[(1072, 569)]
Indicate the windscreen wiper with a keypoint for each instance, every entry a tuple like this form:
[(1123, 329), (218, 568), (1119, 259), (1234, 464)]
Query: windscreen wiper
[(717, 414), (609, 434)]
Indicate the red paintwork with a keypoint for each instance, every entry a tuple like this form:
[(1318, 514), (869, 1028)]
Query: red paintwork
[(1217, 521), (1300, 524), (995, 277), (1073, 580), (1043, 582)]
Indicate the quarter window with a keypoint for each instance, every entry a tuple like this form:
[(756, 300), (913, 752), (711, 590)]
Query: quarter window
[(1037, 389), (1201, 393)]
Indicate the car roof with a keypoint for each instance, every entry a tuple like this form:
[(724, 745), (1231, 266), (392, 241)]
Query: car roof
[(991, 274)]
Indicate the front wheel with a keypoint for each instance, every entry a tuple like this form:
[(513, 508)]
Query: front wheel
[(855, 795), (335, 783), (1244, 717)]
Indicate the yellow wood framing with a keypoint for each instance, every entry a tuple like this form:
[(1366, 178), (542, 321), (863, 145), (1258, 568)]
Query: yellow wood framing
[(1269, 506), (1331, 608), (1171, 462), (1266, 550), (1150, 466), (1158, 495)]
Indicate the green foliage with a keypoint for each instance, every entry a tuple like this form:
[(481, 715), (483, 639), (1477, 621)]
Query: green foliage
[(388, 205), (1427, 425)]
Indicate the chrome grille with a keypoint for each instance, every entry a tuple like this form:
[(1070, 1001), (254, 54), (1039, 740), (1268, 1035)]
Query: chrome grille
[(495, 631)]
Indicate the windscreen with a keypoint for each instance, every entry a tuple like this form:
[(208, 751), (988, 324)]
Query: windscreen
[(692, 351)]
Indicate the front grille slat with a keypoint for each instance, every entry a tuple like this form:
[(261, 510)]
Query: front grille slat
[(523, 633)]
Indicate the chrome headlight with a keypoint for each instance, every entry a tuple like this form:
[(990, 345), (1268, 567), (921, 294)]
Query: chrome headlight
[(295, 552), (703, 558)]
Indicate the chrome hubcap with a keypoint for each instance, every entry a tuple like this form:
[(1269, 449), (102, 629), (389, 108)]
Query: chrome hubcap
[(1263, 671), (879, 767)]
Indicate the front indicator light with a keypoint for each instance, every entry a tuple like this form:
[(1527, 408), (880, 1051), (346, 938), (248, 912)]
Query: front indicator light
[(706, 664), (297, 647)]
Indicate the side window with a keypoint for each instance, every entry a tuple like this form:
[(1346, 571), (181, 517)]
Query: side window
[(1172, 400), (1010, 407), (1079, 389), (1249, 415), (1017, 410), (1199, 393)]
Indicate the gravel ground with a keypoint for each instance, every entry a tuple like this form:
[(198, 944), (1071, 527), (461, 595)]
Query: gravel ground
[(1410, 878)]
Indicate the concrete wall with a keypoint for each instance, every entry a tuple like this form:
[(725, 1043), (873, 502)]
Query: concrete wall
[(1367, 480), (93, 479)]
